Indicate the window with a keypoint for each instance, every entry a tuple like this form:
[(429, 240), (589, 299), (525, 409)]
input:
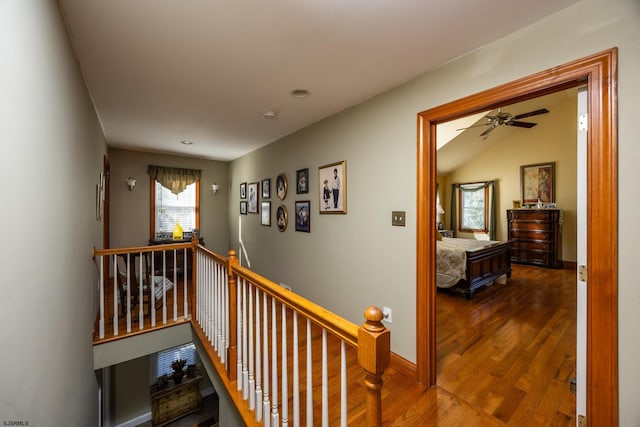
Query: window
[(161, 361), (473, 202), (167, 209)]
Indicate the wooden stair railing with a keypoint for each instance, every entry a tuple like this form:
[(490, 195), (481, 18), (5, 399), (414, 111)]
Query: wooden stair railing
[(259, 334)]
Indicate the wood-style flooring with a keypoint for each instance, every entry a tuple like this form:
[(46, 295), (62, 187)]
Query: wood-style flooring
[(504, 358)]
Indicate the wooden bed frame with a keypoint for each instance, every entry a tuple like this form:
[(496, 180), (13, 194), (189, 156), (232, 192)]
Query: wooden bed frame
[(484, 266)]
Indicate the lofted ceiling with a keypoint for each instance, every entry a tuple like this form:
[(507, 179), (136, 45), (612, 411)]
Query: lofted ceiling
[(456, 147), (163, 71)]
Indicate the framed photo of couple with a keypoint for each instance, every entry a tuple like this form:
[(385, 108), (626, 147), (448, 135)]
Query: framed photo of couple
[(332, 179)]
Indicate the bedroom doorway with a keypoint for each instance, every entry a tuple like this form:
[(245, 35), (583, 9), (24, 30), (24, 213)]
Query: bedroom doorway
[(598, 73)]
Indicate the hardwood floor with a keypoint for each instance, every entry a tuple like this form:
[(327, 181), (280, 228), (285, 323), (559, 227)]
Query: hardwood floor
[(504, 358)]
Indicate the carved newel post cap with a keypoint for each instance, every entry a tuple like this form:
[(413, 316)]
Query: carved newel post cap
[(374, 318)]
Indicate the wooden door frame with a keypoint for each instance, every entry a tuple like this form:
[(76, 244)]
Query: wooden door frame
[(599, 73)]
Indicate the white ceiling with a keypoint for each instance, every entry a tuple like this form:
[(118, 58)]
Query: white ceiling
[(163, 71)]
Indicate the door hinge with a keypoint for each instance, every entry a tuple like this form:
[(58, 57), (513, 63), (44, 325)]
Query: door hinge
[(582, 273), (583, 122), (582, 421)]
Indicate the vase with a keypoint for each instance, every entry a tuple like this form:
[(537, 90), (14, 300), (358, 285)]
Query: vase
[(177, 377)]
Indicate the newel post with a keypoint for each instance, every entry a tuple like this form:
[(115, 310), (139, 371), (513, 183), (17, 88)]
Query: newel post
[(374, 350), (232, 352), (194, 272)]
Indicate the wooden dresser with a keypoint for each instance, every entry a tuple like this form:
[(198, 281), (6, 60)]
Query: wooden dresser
[(535, 235), (175, 401)]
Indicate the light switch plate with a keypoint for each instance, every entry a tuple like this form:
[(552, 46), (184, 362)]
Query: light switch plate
[(397, 218)]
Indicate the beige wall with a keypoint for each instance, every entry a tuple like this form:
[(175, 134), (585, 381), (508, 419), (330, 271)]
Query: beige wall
[(350, 261), (554, 140), (130, 210), (52, 150)]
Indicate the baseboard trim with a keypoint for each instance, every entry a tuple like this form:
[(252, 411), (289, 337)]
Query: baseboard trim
[(403, 366), (140, 419)]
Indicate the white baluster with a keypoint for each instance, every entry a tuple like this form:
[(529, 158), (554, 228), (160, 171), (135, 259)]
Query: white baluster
[(128, 295), (343, 384), (265, 363), (153, 289), (245, 368), (185, 297), (224, 285), (325, 381), (115, 295), (258, 392), (175, 285), (285, 378), (101, 291), (252, 384), (275, 418), (296, 376), (309, 377), (164, 287), (140, 293)]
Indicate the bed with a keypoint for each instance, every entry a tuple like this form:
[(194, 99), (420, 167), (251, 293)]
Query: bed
[(464, 265)]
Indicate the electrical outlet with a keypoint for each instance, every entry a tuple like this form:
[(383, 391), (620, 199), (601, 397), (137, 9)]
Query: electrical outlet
[(397, 218), (386, 313)]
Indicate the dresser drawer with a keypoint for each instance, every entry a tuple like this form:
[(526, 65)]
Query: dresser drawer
[(545, 246), (532, 256), (531, 215)]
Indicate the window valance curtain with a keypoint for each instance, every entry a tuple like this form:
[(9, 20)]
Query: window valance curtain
[(455, 188), (175, 179)]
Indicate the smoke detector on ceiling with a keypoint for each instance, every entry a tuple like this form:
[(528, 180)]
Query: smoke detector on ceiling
[(269, 115)]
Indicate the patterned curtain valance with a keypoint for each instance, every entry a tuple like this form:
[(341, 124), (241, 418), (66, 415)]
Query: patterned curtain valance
[(175, 179)]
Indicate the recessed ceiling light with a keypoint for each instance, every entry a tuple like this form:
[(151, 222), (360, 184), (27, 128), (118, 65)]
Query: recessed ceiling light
[(300, 93), (186, 142), (269, 115)]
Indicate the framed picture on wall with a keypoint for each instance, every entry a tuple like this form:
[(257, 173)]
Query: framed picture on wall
[(243, 207), (243, 190), (302, 181), (252, 190), (266, 188), (537, 183), (281, 186), (303, 216), (282, 219), (265, 213), (332, 180)]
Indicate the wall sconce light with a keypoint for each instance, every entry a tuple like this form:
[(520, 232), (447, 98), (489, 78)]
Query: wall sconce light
[(131, 182), (215, 188)]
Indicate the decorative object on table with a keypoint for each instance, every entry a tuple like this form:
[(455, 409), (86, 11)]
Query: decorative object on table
[(252, 206), (243, 190), (517, 204), (537, 183), (281, 218), (303, 216), (191, 371), (178, 373), (281, 186), (163, 381), (266, 188), (265, 213), (332, 179), (302, 181)]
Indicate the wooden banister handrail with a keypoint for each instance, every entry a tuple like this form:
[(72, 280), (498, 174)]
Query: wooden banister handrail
[(136, 249)]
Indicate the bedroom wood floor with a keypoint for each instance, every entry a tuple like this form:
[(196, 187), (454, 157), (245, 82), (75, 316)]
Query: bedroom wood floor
[(504, 358)]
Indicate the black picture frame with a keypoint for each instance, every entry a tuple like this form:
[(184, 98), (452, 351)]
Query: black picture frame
[(243, 190), (266, 188), (303, 216), (282, 218), (243, 207), (252, 198), (302, 181), (265, 213)]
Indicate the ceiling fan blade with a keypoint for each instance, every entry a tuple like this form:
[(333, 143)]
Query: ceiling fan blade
[(521, 124), (531, 113), (487, 132), (475, 126)]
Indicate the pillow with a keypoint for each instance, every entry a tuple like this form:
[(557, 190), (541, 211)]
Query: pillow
[(438, 235), (158, 282)]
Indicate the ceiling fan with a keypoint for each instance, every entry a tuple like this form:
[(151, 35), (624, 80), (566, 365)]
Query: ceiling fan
[(500, 118)]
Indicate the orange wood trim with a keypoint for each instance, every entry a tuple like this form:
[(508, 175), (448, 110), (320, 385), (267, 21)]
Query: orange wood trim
[(402, 365), (599, 73)]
